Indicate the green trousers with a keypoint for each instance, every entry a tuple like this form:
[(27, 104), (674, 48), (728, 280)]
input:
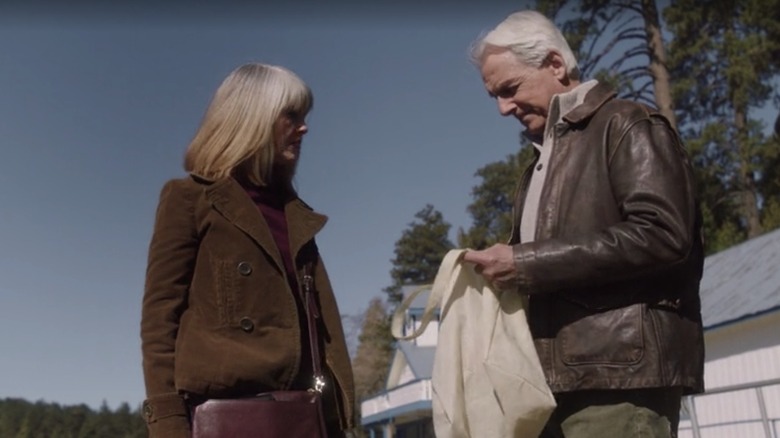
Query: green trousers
[(634, 413)]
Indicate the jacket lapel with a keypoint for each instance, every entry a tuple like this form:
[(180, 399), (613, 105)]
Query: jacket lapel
[(303, 224), (232, 202)]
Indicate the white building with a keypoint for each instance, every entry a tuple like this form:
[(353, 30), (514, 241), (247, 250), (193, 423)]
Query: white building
[(403, 409), (740, 293)]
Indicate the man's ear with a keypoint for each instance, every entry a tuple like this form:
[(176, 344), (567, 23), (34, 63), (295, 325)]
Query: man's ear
[(557, 65)]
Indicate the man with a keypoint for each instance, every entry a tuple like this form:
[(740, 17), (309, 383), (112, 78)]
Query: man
[(605, 243)]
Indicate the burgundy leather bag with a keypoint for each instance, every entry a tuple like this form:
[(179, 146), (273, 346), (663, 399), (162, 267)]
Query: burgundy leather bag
[(273, 414)]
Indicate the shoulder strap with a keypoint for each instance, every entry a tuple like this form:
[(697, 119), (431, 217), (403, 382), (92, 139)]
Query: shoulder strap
[(311, 315), (439, 292)]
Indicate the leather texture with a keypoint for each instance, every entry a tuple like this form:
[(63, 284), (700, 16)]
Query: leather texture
[(613, 272), (271, 415)]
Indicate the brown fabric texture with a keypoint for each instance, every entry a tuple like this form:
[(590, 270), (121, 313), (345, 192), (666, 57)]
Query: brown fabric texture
[(219, 319)]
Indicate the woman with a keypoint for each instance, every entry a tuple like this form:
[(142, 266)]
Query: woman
[(222, 312)]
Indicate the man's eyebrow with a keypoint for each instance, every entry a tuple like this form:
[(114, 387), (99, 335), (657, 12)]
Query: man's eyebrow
[(503, 85)]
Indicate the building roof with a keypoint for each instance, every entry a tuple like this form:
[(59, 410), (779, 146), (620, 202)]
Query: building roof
[(420, 359), (742, 281)]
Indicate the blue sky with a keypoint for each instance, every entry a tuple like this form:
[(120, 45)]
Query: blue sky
[(98, 103)]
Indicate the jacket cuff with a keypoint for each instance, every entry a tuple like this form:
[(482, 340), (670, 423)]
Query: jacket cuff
[(519, 256), (166, 416)]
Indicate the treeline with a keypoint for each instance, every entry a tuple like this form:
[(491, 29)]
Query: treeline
[(23, 419)]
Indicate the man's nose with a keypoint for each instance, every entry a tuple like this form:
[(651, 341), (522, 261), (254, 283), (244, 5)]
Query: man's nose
[(303, 128), (506, 106)]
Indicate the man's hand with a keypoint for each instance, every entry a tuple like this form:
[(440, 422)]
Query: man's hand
[(496, 264)]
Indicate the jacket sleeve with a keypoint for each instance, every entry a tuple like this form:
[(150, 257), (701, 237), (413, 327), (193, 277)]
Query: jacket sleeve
[(172, 253), (652, 186)]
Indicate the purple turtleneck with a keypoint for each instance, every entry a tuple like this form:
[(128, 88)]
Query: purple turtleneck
[(271, 201)]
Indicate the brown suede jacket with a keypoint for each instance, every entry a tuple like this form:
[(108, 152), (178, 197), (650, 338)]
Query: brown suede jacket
[(218, 316), (613, 274)]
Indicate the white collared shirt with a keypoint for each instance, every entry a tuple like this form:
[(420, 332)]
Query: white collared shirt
[(560, 105)]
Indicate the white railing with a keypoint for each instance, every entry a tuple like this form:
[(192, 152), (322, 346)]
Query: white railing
[(403, 395), (756, 422)]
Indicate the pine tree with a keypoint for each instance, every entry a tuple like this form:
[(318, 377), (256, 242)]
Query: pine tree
[(723, 60), (492, 201), (419, 252), (631, 56), (19, 418), (374, 351)]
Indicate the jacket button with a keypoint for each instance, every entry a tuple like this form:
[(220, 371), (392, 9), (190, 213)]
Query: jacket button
[(148, 412), (246, 324), (244, 268), (539, 166)]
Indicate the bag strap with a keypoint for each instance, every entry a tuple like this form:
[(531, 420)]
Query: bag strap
[(439, 289), (312, 314)]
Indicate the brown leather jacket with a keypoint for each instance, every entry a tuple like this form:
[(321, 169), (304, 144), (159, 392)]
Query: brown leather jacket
[(218, 316), (613, 274)]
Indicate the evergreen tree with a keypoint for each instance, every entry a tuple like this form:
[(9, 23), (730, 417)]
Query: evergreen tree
[(769, 184), (12, 412), (777, 126), (419, 252), (374, 352), (75, 417), (723, 59), (22, 419), (492, 201), (631, 56)]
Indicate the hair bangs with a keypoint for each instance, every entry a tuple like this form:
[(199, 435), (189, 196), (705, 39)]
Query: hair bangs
[(296, 95)]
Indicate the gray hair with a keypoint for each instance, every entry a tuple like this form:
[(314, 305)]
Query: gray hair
[(531, 37)]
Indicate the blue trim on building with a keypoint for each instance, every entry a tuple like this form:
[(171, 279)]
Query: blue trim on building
[(418, 313), (742, 318), (400, 410), (386, 391)]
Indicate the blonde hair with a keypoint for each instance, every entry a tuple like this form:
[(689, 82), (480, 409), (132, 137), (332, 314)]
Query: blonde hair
[(236, 133), (531, 37)]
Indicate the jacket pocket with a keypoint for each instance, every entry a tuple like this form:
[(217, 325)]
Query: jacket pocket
[(613, 337), (225, 290)]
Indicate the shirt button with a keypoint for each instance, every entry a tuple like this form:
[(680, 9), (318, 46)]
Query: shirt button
[(246, 324), (539, 166), (244, 268)]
